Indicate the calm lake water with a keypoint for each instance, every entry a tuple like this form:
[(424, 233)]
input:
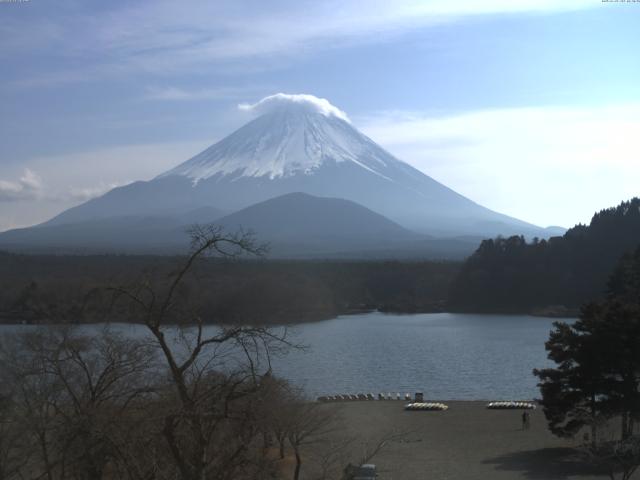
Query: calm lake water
[(447, 356)]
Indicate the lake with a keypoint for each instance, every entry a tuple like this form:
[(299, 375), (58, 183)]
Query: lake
[(446, 356)]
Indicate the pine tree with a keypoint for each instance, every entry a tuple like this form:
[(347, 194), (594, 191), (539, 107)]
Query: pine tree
[(597, 373)]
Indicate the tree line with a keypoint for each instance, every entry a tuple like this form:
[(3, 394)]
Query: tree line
[(547, 276), (56, 289), (595, 385)]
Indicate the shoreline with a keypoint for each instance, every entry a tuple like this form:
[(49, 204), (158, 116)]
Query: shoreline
[(317, 317)]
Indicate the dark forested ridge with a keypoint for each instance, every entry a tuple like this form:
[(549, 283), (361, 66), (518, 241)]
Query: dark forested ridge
[(48, 288), (512, 275), (548, 276)]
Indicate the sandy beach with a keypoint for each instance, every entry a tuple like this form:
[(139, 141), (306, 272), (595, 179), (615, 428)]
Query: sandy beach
[(463, 443)]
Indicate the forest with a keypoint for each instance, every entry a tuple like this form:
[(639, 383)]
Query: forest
[(504, 275), (552, 276), (75, 289)]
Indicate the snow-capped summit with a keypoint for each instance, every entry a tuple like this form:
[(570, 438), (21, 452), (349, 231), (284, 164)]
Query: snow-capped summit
[(301, 101), (294, 134), (301, 143)]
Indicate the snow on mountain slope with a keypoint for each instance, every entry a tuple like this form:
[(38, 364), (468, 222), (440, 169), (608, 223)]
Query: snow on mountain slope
[(301, 143), (292, 137)]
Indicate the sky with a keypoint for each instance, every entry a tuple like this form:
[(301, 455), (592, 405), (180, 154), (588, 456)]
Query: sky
[(530, 108)]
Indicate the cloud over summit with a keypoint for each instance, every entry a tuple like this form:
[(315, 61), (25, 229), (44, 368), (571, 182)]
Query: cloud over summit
[(301, 100)]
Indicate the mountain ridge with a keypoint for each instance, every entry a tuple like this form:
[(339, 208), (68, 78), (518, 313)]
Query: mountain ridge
[(295, 225), (297, 144), (300, 144)]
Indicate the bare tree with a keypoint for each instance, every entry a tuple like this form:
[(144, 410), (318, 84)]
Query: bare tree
[(330, 459), (271, 413), (309, 423), (13, 456), (616, 457), (70, 393), (214, 371), (188, 401)]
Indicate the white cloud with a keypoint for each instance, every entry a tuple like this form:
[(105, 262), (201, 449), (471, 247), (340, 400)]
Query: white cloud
[(76, 177), (540, 164), (302, 100), (187, 33), (28, 186), (171, 93), (166, 36), (174, 93)]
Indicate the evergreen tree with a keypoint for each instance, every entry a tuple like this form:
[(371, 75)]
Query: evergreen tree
[(571, 392), (597, 376), (512, 275)]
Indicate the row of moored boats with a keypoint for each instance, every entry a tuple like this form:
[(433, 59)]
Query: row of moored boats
[(421, 405), (511, 405), (363, 396), (431, 406)]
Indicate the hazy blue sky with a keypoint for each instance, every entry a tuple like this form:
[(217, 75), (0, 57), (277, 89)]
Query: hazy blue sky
[(530, 107)]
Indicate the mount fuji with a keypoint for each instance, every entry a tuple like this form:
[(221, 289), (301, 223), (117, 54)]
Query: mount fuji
[(297, 143)]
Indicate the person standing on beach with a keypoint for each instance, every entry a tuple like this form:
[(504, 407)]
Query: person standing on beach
[(525, 420)]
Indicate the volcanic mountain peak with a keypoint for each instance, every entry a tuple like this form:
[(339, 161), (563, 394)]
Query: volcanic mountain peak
[(300, 143), (294, 134)]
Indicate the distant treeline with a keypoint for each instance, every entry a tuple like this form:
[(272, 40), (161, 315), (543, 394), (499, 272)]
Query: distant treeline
[(554, 276), (55, 289)]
